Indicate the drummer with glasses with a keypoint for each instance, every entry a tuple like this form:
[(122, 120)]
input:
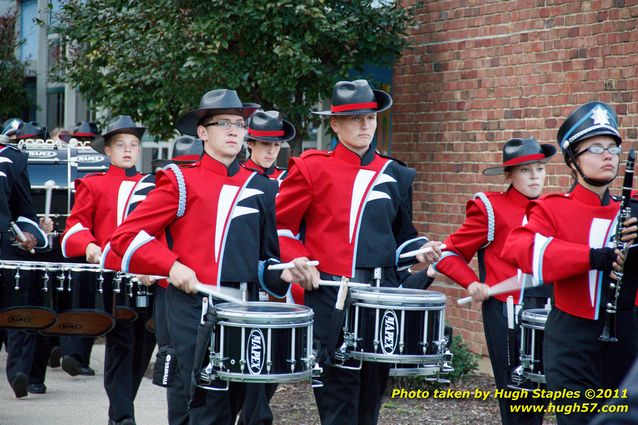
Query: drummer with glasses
[(211, 222), (356, 208)]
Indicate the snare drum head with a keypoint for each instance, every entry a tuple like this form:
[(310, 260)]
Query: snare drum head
[(264, 312), (534, 317), (402, 296)]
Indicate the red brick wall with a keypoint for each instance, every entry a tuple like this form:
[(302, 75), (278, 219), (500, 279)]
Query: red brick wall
[(482, 71)]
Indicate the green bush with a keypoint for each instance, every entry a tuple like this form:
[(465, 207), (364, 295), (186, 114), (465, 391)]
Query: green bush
[(464, 362)]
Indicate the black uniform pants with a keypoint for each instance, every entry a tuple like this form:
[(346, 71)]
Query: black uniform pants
[(205, 407), (20, 347), (575, 359), (128, 350), (79, 347), (495, 328)]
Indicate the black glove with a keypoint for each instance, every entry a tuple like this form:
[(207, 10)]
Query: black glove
[(602, 259), (419, 280)]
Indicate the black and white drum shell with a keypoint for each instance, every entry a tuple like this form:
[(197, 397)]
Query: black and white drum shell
[(532, 335), (397, 325), (264, 342)]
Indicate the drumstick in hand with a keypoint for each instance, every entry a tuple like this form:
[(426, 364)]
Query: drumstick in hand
[(419, 251), (20, 235), (291, 265), (48, 187)]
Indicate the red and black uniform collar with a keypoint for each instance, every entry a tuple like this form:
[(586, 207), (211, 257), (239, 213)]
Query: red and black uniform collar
[(347, 155), (121, 172), (586, 196), (517, 197), (252, 165), (217, 167)]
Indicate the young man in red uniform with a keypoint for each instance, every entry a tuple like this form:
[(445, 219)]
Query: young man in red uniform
[(357, 209), (266, 132), (568, 241), (489, 219), (101, 203), (218, 221)]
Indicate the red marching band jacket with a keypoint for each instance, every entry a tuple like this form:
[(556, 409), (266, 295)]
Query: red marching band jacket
[(217, 220), (357, 211), (102, 201), (554, 246), (489, 219)]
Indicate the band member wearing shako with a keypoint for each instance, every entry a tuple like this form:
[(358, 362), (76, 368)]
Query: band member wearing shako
[(489, 219), (357, 208), (218, 219), (16, 206), (266, 132), (99, 207), (567, 240)]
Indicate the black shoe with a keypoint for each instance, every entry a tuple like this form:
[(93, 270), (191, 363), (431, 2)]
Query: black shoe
[(71, 365), (125, 421), (37, 388), (19, 385), (55, 356), (87, 371)]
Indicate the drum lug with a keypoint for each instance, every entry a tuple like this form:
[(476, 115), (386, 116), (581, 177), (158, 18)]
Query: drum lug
[(100, 282), (117, 283), (268, 366), (129, 288), (17, 280), (401, 346), (45, 281), (292, 363), (60, 277)]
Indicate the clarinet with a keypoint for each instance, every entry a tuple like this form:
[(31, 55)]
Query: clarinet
[(609, 331)]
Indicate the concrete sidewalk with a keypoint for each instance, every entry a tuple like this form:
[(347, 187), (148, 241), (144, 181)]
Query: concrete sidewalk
[(76, 401)]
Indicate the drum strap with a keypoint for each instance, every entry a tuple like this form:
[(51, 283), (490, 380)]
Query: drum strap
[(490, 216)]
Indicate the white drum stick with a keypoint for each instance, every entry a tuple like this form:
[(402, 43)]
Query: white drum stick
[(420, 251), (291, 265), (221, 293), (338, 284), (48, 187), (508, 285), (20, 235)]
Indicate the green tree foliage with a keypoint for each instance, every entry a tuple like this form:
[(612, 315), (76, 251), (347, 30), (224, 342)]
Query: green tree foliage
[(154, 59), (13, 96)]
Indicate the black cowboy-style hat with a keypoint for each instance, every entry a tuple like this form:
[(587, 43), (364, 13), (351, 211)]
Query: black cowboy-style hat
[(85, 129), (588, 120), (118, 125), (214, 102), (30, 130), (521, 151), (269, 127), (10, 126), (186, 150), (356, 98)]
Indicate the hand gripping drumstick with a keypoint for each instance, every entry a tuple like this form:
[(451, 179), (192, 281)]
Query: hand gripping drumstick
[(48, 187), (338, 284), (508, 285), (420, 251), (20, 235), (291, 265)]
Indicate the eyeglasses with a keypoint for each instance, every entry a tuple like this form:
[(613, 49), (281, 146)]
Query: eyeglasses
[(226, 125), (599, 150)]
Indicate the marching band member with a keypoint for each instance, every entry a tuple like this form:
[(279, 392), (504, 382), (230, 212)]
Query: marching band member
[(567, 240), (100, 203), (218, 222), (357, 208), (489, 219), (10, 127), (17, 207)]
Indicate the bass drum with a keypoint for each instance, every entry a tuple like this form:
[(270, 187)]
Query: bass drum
[(26, 295)]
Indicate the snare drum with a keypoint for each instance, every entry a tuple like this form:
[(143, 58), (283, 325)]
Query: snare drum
[(25, 295), (78, 297), (400, 326), (532, 326), (261, 342)]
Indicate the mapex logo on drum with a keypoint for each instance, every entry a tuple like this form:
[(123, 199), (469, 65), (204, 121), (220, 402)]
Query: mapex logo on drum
[(91, 159), (70, 326), (389, 332), (255, 353), (42, 154)]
